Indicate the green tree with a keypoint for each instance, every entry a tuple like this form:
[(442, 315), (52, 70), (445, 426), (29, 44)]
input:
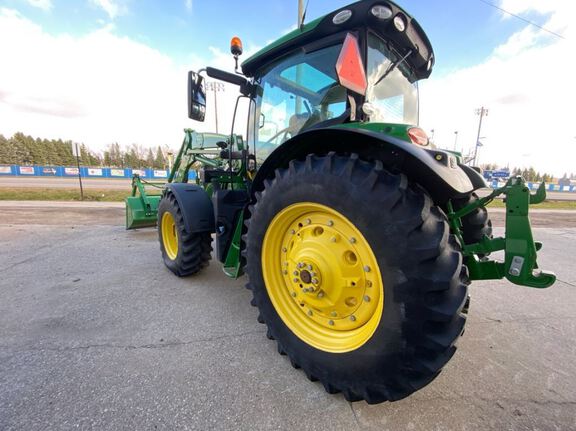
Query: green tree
[(160, 160), (150, 159)]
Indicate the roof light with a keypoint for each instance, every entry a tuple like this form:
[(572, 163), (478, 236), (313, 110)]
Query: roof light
[(381, 12), (342, 16), (236, 46), (349, 66), (399, 23), (418, 136)]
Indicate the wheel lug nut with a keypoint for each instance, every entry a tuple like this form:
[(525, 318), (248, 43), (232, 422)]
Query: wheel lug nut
[(314, 281), (295, 280), (308, 221), (292, 231), (293, 294), (330, 223), (352, 240), (296, 273), (320, 294), (367, 298), (309, 313), (366, 268), (310, 268), (285, 272), (353, 318), (284, 249), (331, 322), (333, 314), (333, 239)]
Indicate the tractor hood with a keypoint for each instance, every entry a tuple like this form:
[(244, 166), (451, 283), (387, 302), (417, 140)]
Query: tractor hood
[(384, 18)]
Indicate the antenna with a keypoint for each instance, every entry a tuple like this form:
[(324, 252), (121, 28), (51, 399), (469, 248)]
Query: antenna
[(302, 13)]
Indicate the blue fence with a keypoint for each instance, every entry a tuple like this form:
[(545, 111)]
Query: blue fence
[(65, 171)]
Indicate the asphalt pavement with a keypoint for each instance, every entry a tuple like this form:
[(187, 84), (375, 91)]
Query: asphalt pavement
[(97, 334)]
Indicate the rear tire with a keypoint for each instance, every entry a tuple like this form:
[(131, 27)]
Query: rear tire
[(183, 253), (411, 264)]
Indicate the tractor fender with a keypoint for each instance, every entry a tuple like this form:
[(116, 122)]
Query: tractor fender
[(436, 171), (196, 206)]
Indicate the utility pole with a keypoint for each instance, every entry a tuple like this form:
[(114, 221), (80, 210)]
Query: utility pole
[(482, 112)]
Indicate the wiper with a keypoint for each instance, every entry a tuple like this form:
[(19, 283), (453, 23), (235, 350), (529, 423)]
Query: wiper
[(392, 67)]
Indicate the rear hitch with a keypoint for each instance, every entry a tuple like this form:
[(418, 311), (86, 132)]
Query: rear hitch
[(520, 250)]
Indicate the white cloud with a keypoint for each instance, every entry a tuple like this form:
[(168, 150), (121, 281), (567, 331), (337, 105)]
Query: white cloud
[(528, 90), (111, 7), (45, 5), (97, 89), (101, 88), (188, 4)]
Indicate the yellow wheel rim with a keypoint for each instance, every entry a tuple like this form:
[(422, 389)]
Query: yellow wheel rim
[(322, 277), (169, 235)]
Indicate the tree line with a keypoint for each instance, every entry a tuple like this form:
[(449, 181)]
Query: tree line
[(21, 149)]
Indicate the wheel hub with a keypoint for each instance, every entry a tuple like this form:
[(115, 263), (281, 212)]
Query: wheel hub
[(328, 271)]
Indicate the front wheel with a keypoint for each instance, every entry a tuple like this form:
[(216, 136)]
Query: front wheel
[(183, 253), (356, 276)]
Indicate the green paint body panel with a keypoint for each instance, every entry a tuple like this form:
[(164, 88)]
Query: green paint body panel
[(232, 267)]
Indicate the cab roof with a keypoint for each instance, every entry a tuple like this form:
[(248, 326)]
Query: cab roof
[(411, 38)]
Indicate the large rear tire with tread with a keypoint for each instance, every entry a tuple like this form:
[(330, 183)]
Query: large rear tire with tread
[(355, 273), (183, 253)]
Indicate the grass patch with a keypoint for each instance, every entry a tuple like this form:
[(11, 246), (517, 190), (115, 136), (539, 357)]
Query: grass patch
[(546, 205), (50, 194)]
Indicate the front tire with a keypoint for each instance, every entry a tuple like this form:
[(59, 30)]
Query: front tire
[(381, 319), (183, 253)]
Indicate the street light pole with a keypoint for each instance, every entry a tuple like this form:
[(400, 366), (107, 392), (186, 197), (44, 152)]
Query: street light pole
[(482, 112), (215, 87), (455, 139)]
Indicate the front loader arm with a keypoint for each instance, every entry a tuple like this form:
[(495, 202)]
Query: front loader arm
[(520, 250)]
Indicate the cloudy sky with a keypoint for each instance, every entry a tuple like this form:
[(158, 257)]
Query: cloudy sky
[(102, 71)]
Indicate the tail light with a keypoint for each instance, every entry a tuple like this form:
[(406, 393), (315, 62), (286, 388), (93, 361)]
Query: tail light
[(418, 136)]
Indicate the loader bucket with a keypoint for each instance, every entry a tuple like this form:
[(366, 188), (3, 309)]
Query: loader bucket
[(140, 214), (142, 207)]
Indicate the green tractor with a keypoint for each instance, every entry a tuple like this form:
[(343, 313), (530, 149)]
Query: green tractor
[(358, 238)]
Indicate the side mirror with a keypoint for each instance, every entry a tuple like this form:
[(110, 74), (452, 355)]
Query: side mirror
[(196, 97)]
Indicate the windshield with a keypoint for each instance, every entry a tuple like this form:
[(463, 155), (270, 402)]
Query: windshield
[(299, 91), (302, 90), (395, 98)]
